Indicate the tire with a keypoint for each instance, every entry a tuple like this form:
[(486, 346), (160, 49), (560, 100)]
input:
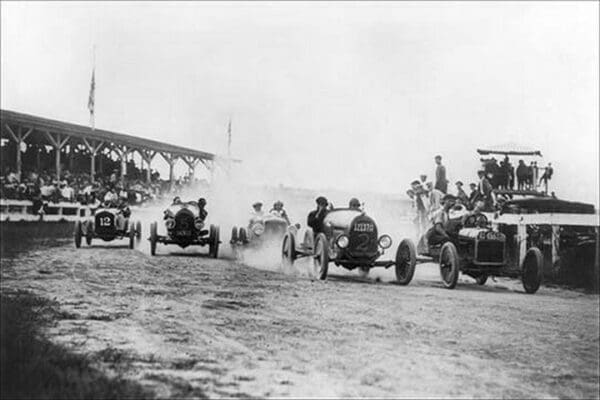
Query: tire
[(406, 261), (532, 270), (78, 234), (321, 257), (234, 235), (213, 247), (153, 238), (138, 231), (449, 265), (288, 250), (243, 236), (481, 279), (131, 236), (89, 234)]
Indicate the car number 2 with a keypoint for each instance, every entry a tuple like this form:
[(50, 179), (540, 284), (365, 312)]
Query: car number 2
[(105, 221), (363, 242)]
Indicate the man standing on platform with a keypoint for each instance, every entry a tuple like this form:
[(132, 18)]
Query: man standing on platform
[(441, 183)]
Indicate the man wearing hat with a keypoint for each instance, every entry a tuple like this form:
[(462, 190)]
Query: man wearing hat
[(441, 183), (460, 193), (354, 204), (257, 214), (278, 211), (316, 217)]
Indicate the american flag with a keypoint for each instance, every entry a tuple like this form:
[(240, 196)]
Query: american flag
[(91, 98)]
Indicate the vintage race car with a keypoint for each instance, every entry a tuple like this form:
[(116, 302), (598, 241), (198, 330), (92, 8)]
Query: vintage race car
[(475, 249), (270, 227), (184, 227), (108, 224), (350, 239)]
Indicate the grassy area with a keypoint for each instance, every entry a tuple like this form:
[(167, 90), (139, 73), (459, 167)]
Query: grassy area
[(33, 367)]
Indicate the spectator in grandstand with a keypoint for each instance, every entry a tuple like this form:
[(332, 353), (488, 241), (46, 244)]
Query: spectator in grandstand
[(67, 193), (48, 191), (460, 193), (441, 183), (522, 173)]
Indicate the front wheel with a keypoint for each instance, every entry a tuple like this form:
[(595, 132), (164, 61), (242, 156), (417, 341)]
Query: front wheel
[(449, 265), (131, 236), (138, 231), (406, 261), (532, 270), (288, 250), (213, 249), (78, 234), (153, 238), (243, 236), (89, 234), (321, 257), (234, 235)]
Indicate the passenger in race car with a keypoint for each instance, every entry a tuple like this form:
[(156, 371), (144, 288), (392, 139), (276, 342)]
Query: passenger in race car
[(176, 200), (438, 233), (202, 213), (278, 211), (354, 204), (257, 215), (316, 217)]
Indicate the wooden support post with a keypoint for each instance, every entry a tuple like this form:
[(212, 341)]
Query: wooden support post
[(93, 148), (522, 241), (58, 143), (147, 156), (597, 260), (171, 161), (555, 241), (19, 138)]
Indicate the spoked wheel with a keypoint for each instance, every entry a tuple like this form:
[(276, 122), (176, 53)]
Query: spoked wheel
[(449, 265), (321, 257), (532, 270), (234, 235), (213, 249), (89, 233), (153, 238), (131, 236), (481, 279), (243, 236), (406, 260), (288, 250), (78, 234), (138, 232)]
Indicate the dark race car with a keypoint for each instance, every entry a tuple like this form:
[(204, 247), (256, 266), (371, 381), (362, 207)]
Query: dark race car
[(268, 228), (185, 227), (350, 239), (108, 223), (475, 249)]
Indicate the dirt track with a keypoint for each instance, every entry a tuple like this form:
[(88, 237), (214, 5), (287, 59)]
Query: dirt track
[(186, 325)]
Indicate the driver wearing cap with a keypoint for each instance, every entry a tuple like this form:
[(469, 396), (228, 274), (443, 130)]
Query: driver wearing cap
[(257, 213), (316, 217), (354, 204), (278, 211)]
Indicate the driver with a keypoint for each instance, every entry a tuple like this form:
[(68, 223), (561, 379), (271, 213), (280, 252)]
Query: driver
[(316, 217), (354, 204), (438, 234), (256, 215), (202, 213), (278, 211)]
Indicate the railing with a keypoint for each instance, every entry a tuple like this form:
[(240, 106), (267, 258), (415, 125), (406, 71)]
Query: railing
[(22, 210)]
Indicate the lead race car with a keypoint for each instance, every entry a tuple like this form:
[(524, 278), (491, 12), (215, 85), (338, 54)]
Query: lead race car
[(109, 223), (475, 249), (185, 226), (350, 240), (262, 230)]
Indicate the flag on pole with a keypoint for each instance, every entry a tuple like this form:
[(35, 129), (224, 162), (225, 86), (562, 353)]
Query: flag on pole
[(91, 98)]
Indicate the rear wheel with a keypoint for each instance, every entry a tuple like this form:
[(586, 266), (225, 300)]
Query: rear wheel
[(243, 236), (78, 234), (532, 270), (449, 265), (288, 250), (213, 247), (406, 261), (321, 257), (89, 233), (131, 236), (153, 238)]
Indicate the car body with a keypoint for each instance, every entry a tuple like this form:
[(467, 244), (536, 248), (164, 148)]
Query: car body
[(477, 250), (350, 239), (104, 225), (266, 229), (185, 227)]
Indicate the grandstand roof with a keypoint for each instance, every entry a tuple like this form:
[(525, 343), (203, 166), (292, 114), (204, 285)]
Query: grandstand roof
[(85, 132)]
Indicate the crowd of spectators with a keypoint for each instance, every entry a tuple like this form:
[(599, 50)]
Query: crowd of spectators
[(43, 186)]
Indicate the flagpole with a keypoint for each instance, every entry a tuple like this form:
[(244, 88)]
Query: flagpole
[(229, 148), (93, 110)]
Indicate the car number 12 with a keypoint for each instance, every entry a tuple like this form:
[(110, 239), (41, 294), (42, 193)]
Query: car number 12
[(105, 221)]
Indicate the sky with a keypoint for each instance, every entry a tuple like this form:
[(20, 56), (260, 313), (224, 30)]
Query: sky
[(348, 95)]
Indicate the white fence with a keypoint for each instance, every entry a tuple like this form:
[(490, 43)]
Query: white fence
[(22, 210)]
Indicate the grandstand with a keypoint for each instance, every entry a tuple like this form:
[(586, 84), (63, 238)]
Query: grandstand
[(26, 138)]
